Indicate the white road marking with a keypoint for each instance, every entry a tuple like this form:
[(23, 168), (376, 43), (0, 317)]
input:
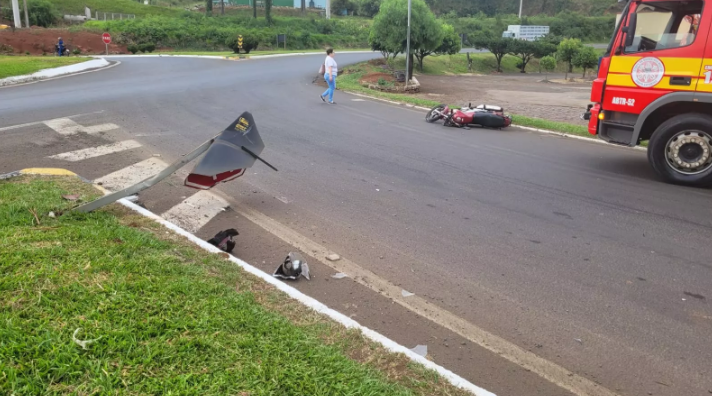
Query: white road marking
[(65, 126), (196, 211), (7, 128), (91, 152), (130, 175), (550, 371)]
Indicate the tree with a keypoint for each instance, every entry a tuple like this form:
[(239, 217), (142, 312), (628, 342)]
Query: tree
[(567, 50), (42, 13), (498, 46), (209, 7), (525, 50), (548, 63), (268, 12), (450, 44), (585, 58), (368, 8), (390, 26), (543, 49)]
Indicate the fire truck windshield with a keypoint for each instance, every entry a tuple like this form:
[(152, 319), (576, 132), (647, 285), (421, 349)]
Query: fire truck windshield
[(665, 25)]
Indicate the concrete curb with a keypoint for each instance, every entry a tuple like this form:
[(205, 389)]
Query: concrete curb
[(310, 302), (48, 74), (546, 131)]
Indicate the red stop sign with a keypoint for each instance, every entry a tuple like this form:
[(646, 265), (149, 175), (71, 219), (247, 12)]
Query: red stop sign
[(106, 38)]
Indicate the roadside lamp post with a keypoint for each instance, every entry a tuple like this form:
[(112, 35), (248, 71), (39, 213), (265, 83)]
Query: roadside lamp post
[(407, 52)]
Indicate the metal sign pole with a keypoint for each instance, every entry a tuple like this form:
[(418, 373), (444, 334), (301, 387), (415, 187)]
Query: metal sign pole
[(407, 55), (107, 49)]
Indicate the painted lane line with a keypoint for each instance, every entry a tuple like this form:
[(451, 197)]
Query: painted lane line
[(92, 152), (18, 126), (550, 371), (196, 211), (65, 126), (319, 307), (131, 175)]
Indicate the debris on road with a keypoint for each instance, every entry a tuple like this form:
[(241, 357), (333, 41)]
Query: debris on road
[(421, 350), (51, 215), (340, 275), (406, 293), (578, 340), (81, 343), (223, 240), (292, 267), (333, 257)]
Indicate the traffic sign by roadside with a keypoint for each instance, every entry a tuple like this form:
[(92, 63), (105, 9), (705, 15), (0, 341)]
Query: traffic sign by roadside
[(106, 38), (239, 41)]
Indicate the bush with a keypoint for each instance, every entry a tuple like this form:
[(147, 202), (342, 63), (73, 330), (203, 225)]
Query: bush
[(133, 48), (250, 41), (77, 51), (585, 58), (548, 63), (147, 47), (42, 13)]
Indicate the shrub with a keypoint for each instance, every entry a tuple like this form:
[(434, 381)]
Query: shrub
[(146, 47), (42, 13), (77, 51), (133, 48)]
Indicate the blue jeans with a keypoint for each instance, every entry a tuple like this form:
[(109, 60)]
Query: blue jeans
[(332, 87)]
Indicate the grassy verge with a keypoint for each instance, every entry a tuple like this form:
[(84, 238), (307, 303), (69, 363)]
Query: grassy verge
[(350, 82), (166, 317), (11, 66), (116, 6)]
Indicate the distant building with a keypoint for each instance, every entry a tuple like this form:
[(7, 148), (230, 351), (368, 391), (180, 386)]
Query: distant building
[(310, 3), (526, 32)]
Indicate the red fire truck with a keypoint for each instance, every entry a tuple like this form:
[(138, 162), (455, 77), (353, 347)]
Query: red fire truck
[(655, 84)]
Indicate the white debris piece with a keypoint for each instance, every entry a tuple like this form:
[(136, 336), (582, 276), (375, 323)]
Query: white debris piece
[(406, 293), (421, 350), (81, 343), (340, 275)]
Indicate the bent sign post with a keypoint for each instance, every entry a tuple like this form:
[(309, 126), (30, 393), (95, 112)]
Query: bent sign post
[(106, 38)]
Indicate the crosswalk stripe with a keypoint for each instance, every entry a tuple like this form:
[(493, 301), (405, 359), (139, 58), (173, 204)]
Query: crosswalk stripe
[(65, 126), (131, 174), (92, 152), (196, 211)]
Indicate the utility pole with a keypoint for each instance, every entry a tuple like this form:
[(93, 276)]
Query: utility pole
[(407, 55), (16, 14), (521, 4), (328, 9), (222, 7), (27, 19)]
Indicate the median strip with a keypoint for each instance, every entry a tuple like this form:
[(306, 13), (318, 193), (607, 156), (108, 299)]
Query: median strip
[(119, 299)]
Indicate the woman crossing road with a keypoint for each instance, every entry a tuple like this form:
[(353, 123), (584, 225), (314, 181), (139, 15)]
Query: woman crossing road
[(330, 72)]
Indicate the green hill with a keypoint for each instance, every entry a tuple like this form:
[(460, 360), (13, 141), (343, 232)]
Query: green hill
[(115, 6), (465, 8)]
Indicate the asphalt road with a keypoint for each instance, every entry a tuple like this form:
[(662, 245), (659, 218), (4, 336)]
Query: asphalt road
[(570, 249)]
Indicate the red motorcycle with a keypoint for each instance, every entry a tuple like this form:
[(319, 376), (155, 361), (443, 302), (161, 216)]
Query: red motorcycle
[(483, 115)]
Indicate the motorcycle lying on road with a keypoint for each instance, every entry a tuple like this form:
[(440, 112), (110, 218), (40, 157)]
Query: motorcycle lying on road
[(483, 115)]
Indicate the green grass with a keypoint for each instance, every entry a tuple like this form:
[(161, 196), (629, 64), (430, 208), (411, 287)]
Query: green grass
[(349, 81), (116, 6), (21, 65), (166, 317)]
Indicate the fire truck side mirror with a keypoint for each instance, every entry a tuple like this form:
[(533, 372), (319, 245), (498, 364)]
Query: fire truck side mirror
[(630, 29)]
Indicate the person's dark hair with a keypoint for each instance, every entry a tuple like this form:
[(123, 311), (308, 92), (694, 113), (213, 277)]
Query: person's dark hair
[(329, 51)]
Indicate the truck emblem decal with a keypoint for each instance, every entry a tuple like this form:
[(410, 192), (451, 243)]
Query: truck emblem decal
[(648, 72)]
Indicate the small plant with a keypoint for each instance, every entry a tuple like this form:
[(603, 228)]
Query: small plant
[(548, 63), (27, 53), (150, 47), (133, 48), (77, 51), (382, 82)]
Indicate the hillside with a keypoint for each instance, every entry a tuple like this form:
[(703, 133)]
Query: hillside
[(116, 6), (465, 8)]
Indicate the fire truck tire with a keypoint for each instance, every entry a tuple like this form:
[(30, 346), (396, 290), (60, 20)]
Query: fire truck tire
[(680, 150)]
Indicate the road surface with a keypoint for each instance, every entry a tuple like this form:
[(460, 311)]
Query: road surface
[(566, 258)]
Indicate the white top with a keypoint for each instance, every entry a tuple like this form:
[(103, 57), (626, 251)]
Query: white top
[(331, 62)]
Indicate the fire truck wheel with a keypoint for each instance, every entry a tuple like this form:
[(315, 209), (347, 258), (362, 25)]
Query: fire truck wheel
[(680, 150)]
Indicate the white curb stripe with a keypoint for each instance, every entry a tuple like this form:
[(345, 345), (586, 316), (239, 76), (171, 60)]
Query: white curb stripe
[(92, 152), (55, 72), (131, 175), (196, 211), (319, 307)]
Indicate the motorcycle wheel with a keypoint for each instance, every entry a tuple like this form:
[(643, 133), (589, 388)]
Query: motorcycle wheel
[(432, 116)]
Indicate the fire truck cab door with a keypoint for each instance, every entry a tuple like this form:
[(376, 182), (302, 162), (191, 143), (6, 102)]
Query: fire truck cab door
[(665, 57), (704, 81)]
